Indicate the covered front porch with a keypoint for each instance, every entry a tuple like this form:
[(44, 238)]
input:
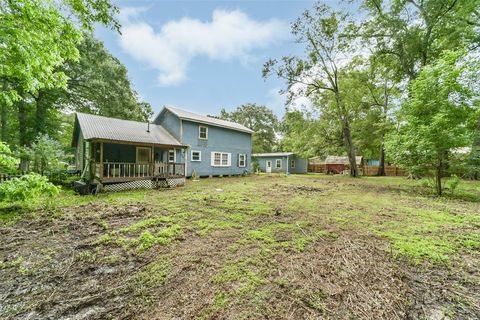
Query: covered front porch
[(116, 162)]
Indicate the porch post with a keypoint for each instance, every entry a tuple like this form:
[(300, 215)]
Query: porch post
[(101, 161), (152, 161)]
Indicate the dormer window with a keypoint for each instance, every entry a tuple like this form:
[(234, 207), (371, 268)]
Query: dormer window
[(203, 132)]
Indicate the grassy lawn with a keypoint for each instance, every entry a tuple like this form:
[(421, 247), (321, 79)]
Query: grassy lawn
[(269, 246)]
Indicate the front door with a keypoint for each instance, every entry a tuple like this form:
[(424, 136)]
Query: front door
[(269, 166)]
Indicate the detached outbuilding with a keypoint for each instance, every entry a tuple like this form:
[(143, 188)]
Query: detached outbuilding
[(286, 162), (335, 164)]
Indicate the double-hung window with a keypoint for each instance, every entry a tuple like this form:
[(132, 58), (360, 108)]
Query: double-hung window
[(172, 157), (242, 160), (221, 159), (203, 132), (278, 163), (292, 164), (196, 155)]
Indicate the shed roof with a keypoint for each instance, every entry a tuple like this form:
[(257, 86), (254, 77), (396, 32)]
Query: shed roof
[(342, 160), (187, 115), (273, 154), (99, 127)]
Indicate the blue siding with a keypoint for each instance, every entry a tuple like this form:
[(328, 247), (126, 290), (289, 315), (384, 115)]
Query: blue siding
[(219, 140), (301, 164), (171, 123)]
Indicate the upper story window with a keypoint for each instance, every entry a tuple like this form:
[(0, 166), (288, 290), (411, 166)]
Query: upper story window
[(203, 132), (278, 163), (242, 160), (196, 155), (172, 157), (292, 164)]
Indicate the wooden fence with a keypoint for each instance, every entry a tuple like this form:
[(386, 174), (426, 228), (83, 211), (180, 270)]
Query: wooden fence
[(366, 170), (389, 171)]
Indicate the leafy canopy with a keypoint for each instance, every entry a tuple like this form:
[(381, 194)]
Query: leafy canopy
[(436, 117)]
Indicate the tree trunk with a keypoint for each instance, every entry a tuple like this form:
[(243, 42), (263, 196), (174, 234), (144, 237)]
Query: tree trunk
[(22, 124), (22, 133), (381, 165), (347, 136), (40, 115), (3, 114), (438, 182)]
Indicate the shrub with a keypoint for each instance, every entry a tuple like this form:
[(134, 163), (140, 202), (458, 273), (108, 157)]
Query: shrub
[(453, 183), (7, 161), (29, 189), (45, 155)]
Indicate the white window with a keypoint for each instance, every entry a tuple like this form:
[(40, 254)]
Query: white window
[(196, 155), (292, 164), (278, 163), (221, 159), (172, 156), (242, 160), (143, 155), (203, 132)]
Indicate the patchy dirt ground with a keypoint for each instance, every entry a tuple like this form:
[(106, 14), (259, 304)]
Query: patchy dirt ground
[(275, 247)]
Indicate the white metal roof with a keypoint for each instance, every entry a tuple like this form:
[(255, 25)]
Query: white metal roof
[(99, 127), (187, 115), (272, 154)]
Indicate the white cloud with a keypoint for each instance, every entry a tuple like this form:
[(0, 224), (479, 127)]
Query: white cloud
[(229, 35)]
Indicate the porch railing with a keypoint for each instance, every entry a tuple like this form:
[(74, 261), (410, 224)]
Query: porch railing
[(119, 170)]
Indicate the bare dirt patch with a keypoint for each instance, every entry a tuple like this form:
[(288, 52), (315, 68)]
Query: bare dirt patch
[(246, 252)]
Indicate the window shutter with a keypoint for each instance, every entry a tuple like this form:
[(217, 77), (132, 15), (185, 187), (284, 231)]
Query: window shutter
[(212, 159), (229, 159)]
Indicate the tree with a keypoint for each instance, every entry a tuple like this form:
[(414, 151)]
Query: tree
[(415, 33), (435, 117), (37, 38), (311, 136), (324, 34), (261, 120), (97, 83), (46, 155)]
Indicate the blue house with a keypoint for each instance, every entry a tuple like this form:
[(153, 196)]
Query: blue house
[(286, 162), (123, 154), (214, 147)]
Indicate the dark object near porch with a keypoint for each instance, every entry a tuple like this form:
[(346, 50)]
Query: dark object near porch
[(83, 188)]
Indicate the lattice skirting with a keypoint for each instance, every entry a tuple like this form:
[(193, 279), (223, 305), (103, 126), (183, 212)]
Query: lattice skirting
[(139, 184), (171, 183), (145, 184)]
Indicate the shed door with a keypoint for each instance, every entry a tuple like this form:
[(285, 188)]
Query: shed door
[(269, 166)]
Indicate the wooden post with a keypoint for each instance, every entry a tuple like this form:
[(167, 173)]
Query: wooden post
[(101, 161)]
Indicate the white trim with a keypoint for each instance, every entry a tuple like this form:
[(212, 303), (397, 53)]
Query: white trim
[(199, 156), (244, 160), (149, 154), (276, 161), (174, 155), (212, 159), (199, 132)]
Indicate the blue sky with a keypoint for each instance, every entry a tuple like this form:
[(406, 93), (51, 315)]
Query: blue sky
[(204, 55)]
